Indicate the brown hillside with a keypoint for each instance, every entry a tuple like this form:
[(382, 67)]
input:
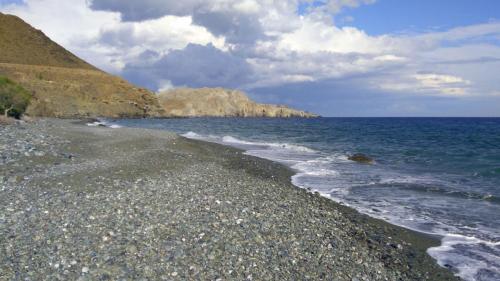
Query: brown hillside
[(62, 84), (21, 43), (72, 92)]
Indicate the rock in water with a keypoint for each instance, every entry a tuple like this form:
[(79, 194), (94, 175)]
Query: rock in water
[(361, 158)]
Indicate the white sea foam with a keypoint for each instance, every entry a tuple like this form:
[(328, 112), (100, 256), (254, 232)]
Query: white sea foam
[(287, 146), (406, 179), (104, 124), (95, 124), (315, 167), (321, 172), (191, 135), (473, 258), (233, 140), (251, 144)]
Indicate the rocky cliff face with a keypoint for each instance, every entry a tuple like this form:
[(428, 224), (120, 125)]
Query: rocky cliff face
[(62, 84), (219, 102)]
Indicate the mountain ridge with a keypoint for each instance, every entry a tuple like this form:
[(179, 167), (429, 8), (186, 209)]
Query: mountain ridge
[(220, 102)]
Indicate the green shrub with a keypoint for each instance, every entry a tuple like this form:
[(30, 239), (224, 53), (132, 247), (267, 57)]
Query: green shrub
[(14, 99)]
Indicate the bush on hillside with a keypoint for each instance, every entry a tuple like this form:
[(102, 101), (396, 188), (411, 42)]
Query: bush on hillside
[(14, 99)]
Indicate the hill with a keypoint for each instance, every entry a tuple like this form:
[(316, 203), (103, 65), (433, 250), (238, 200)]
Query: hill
[(22, 44), (219, 102), (62, 84)]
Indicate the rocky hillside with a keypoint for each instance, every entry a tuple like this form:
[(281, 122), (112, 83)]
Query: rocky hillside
[(62, 84), (219, 102)]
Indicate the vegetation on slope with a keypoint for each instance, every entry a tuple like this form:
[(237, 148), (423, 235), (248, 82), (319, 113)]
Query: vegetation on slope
[(14, 99)]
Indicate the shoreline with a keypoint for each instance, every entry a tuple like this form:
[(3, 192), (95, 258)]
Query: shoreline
[(434, 239), (161, 203)]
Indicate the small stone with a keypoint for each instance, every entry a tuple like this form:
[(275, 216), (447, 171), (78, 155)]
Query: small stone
[(85, 269), (15, 179), (174, 274), (131, 249)]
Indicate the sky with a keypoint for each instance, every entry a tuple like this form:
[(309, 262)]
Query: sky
[(332, 57)]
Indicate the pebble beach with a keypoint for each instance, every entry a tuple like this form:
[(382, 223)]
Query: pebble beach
[(97, 203)]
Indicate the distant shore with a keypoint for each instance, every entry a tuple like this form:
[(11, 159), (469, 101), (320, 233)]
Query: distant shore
[(95, 202)]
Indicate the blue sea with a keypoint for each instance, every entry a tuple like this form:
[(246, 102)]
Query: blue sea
[(434, 175)]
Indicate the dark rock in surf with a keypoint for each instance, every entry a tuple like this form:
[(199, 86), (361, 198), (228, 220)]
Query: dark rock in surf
[(361, 158)]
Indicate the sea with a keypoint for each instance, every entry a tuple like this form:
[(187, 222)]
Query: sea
[(439, 176)]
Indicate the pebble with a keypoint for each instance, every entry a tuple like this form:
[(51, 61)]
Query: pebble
[(131, 206)]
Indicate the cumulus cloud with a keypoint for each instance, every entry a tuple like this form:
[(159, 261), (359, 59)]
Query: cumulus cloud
[(195, 66), (168, 32), (238, 20), (316, 36), (432, 83), (131, 40), (132, 10)]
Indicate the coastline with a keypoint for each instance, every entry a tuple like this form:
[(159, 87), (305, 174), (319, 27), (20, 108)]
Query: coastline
[(169, 207)]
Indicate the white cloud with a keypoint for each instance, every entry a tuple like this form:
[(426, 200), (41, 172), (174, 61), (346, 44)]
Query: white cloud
[(317, 36), (445, 84), (433, 80), (131, 39), (336, 6), (247, 6), (168, 32), (432, 83), (63, 21), (165, 85)]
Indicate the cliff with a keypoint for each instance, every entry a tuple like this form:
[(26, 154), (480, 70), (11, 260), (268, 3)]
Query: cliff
[(219, 102), (62, 84)]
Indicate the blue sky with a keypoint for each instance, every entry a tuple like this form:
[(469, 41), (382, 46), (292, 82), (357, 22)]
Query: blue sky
[(332, 57), (392, 16), (6, 2)]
